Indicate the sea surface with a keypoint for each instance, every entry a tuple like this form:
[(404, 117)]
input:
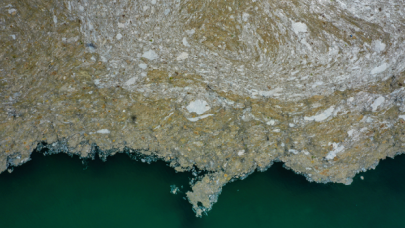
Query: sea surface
[(59, 191)]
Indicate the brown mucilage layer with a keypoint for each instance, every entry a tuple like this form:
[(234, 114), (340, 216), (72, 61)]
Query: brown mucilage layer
[(223, 86)]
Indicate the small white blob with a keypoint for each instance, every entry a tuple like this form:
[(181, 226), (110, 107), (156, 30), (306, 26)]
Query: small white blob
[(377, 103), (167, 11), (322, 116), (185, 43), (13, 36), (121, 25), (336, 149), (190, 32), (271, 93), (182, 56), (119, 36), (81, 8), (293, 73), (103, 131), (198, 106), (299, 27), (55, 19), (317, 84), (291, 125), (151, 55), (293, 151), (199, 143), (349, 181), (378, 46), (174, 189), (271, 122), (350, 133), (11, 11), (369, 120), (199, 117), (143, 66), (380, 69), (245, 17), (131, 81), (401, 117), (153, 2), (241, 152)]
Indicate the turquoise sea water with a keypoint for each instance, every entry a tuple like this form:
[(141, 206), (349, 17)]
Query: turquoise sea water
[(56, 191)]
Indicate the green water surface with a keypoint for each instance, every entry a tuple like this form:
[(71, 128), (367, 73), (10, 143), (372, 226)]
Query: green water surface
[(56, 191)]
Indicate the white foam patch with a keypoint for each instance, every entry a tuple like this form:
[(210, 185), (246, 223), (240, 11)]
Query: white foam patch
[(293, 151), (299, 27), (130, 81), (190, 32), (199, 117), (143, 66), (55, 19), (103, 131), (119, 36), (182, 56), (151, 55), (380, 69), (401, 117), (336, 149), (377, 103), (271, 93), (241, 152), (322, 116), (198, 106), (245, 17), (378, 46), (185, 43), (10, 11), (317, 84)]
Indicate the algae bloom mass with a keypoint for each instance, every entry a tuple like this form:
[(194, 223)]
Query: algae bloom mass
[(218, 88)]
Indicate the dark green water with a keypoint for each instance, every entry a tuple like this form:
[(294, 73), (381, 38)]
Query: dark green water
[(55, 191)]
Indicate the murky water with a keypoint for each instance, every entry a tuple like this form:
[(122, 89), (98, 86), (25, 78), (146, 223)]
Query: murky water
[(56, 191)]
